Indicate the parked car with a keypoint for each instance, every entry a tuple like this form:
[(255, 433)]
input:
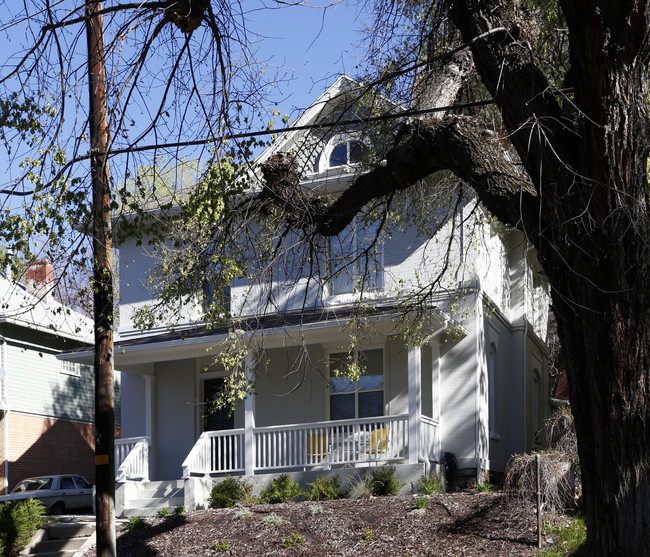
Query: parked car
[(59, 494)]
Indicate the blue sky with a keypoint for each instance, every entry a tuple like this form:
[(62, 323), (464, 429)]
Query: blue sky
[(316, 44)]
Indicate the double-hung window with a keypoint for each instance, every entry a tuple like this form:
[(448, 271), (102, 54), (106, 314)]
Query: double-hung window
[(362, 398), (355, 258)]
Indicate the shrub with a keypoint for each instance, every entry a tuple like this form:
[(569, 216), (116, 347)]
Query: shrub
[(293, 539), (243, 513), (228, 492), (162, 513), (421, 503), (281, 490), (368, 535), (326, 489), (19, 521), (220, 547), (430, 483), (272, 519), (179, 510), (135, 523), (383, 481), (315, 509)]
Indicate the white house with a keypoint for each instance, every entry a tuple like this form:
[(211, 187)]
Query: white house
[(47, 405), (472, 382)]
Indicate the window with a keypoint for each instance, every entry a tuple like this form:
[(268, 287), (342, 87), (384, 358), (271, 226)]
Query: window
[(71, 368), (350, 151), (355, 258), (357, 399)]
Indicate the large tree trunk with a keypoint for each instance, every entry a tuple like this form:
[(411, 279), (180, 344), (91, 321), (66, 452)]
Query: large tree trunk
[(592, 236)]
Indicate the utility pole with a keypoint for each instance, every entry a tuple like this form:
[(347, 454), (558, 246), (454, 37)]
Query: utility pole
[(102, 286)]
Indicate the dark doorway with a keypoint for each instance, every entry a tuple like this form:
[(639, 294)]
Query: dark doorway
[(222, 453), (215, 419)]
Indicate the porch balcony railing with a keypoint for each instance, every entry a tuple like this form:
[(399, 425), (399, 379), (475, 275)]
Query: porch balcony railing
[(216, 452), (316, 444), (132, 459)]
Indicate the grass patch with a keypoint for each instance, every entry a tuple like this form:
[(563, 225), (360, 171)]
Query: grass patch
[(571, 540)]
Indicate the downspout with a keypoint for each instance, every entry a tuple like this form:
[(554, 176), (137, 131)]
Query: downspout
[(5, 418), (524, 369)]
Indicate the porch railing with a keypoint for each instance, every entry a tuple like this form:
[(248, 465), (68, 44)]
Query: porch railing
[(132, 459), (430, 448), (331, 443), (216, 452)]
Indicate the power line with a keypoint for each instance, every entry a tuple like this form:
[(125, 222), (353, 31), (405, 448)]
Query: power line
[(368, 120)]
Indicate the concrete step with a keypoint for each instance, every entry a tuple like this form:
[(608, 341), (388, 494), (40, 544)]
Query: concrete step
[(61, 540)]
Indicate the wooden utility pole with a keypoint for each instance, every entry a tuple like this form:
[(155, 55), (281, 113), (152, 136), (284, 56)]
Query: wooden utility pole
[(102, 286)]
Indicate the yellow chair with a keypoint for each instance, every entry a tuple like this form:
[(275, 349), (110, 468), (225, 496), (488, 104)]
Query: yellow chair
[(317, 447), (379, 441)]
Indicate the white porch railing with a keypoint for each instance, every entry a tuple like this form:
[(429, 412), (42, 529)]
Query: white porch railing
[(318, 444), (216, 452), (430, 448), (333, 442), (132, 459)]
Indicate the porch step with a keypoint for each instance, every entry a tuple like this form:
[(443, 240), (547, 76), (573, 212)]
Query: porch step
[(62, 540), (153, 496)]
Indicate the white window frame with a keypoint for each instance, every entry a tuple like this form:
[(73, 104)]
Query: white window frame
[(356, 390), (70, 368), (357, 268)]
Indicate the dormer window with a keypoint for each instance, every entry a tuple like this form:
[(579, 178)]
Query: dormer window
[(347, 152)]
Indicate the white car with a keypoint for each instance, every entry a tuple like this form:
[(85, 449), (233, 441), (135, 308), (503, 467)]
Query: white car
[(59, 494)]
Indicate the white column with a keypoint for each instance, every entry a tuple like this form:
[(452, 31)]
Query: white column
[(249, 420), (435, 395), (149, 417), (415, 406)]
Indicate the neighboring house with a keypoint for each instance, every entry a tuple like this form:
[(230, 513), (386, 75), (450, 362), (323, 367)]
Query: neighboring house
[(46, 404), (474, 384)]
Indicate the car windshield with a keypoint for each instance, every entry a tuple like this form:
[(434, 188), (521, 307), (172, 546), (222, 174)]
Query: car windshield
[(33, 484)]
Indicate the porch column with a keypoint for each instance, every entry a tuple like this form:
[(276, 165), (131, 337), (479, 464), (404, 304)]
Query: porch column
[(249, 420), (415, 406)]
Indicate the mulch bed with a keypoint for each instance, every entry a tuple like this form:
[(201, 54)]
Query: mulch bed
[(460, 524)]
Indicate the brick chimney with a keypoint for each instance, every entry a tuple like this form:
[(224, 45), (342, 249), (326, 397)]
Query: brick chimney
[(39, 279)]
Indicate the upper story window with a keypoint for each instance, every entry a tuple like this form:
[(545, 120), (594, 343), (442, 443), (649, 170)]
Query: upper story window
[(348, 152), (356, 258)]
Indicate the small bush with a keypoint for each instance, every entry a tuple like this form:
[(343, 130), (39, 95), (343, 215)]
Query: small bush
[(326, 489), (220, 547), (421, 503), (179, 510), (135, 523), (281, 490), (430, 483), (243, 513), (272, 519), (368, 536), (315, 509), (228, 492), (19, 521), (293, 539), (383, 481), (162, 513), (484, 487)]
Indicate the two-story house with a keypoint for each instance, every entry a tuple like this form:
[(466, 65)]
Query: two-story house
[(47, 405), (471, 382)]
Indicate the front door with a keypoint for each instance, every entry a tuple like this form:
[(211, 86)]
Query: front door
[(217, 419)]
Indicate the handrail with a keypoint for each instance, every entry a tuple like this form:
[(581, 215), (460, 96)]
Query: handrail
[(132, 459)]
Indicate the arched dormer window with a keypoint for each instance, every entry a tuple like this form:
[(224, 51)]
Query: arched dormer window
[(347, 152)]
